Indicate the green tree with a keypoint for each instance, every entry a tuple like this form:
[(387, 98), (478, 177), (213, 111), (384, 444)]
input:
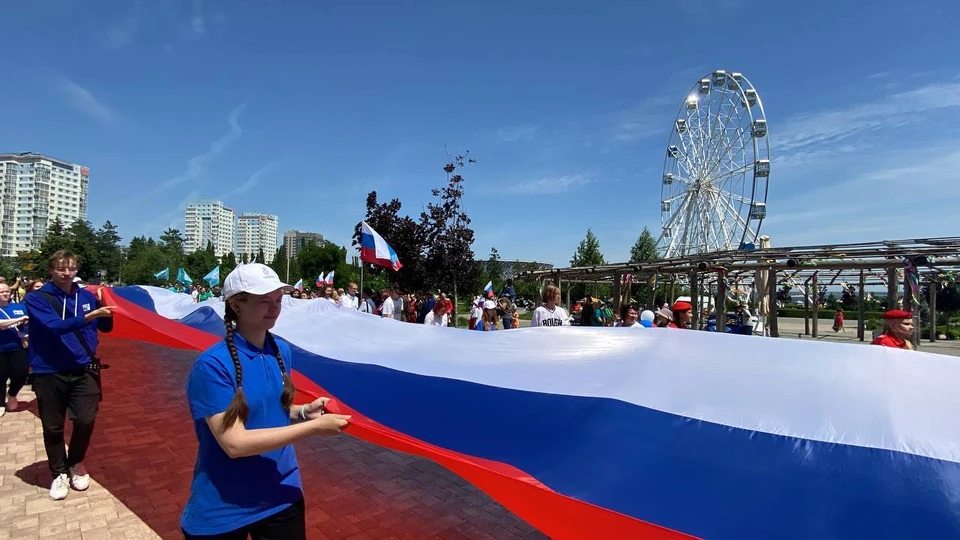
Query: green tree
[(588, 252), (645, 248), (199, 263), (146, 258), (324, 257), (227, 264), (450, 262), (108, 246), (404, 235), (492, 270), (279, 266), (171, 243), (32, 264), (56, 239)]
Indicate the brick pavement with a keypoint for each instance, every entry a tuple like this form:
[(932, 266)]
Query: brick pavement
[(141, 462)]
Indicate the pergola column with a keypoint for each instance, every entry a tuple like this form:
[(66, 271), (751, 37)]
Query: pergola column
[(861, 308)]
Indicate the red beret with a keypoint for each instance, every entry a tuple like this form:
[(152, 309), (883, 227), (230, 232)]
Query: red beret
[(897, 314), (681, 306)]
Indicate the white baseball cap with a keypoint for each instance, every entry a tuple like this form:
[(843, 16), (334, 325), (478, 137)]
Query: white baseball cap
[(253, 278), (489, 304)]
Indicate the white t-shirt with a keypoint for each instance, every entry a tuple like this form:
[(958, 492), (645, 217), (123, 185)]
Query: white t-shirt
[(634, 325), (398, 308), (550, 317), (476, 313), (386, 308), (349, 302), (433, 320)]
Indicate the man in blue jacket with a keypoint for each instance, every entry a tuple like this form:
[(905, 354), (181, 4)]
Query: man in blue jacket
[(63, 325)]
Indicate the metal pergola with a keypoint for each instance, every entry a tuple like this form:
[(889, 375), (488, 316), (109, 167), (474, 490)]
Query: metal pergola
[(894, 264)]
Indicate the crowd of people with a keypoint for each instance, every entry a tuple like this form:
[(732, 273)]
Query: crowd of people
[(239, 391)]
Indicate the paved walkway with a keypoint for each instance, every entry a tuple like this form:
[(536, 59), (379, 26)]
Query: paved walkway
[(792, 328), (141, 462)]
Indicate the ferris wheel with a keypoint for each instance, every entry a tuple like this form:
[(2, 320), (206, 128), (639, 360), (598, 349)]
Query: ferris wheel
[(714, 185)]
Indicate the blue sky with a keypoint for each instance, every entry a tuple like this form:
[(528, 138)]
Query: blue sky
[(567, 107)]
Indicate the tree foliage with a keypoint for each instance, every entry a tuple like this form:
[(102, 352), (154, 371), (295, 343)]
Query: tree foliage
[(645, 248), (449, 254), (436, 250), (404, 236), (588, 252)]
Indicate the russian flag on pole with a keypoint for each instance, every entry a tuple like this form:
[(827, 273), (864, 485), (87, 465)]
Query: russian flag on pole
[(489, 288), (298, 285), (330, 277), (321, 280), (375, 250)]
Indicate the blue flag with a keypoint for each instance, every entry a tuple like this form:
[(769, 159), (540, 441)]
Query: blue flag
[(213, 278), (163, 274), (183, 278)]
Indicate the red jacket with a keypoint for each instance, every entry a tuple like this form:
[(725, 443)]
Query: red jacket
[(886, 340)]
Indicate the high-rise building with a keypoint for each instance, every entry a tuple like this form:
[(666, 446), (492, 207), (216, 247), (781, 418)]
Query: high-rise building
[(257, 232), (294, 241), (35, 190), (208, 221)]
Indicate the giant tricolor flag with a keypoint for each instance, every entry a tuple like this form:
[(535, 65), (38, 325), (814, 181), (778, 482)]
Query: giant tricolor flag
[(375, 250), (611, 433)]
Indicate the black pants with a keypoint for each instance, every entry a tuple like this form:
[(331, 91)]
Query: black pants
[(57, 393), (14, 366), (288, 524)]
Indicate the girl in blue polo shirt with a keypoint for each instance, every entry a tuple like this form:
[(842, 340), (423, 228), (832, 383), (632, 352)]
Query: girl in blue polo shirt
[(246, 481)]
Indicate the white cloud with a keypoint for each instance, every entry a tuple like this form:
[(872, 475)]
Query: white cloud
[(172, 219), (889, 113), (252, 182), (516, 133), (649, 117), (905, 194), (87, 103), (197, 26), (551, 184), (119, 34), (196, 166)]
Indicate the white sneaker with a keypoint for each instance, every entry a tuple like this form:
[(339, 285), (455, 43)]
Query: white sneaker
[(79, 478), (12, 403), (2, 411), (60, 488)]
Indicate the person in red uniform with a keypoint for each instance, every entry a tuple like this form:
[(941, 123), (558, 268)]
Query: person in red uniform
[(682, 315), (897, 329)]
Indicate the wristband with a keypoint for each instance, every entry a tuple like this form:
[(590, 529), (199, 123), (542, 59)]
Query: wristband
[(303, 412)]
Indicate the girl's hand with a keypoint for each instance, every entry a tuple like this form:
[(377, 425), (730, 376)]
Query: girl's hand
[(316, 409), (329, 424)]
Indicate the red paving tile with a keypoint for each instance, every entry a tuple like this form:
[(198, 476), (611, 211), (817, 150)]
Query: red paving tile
[(144, 448)]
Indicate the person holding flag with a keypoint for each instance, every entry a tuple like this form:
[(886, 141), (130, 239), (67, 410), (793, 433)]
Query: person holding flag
[(246, 481)]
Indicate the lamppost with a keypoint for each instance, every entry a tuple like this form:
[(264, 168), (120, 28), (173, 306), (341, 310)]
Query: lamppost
[(120, 274)]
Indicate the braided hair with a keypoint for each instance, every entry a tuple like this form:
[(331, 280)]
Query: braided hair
[(238, 408)]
